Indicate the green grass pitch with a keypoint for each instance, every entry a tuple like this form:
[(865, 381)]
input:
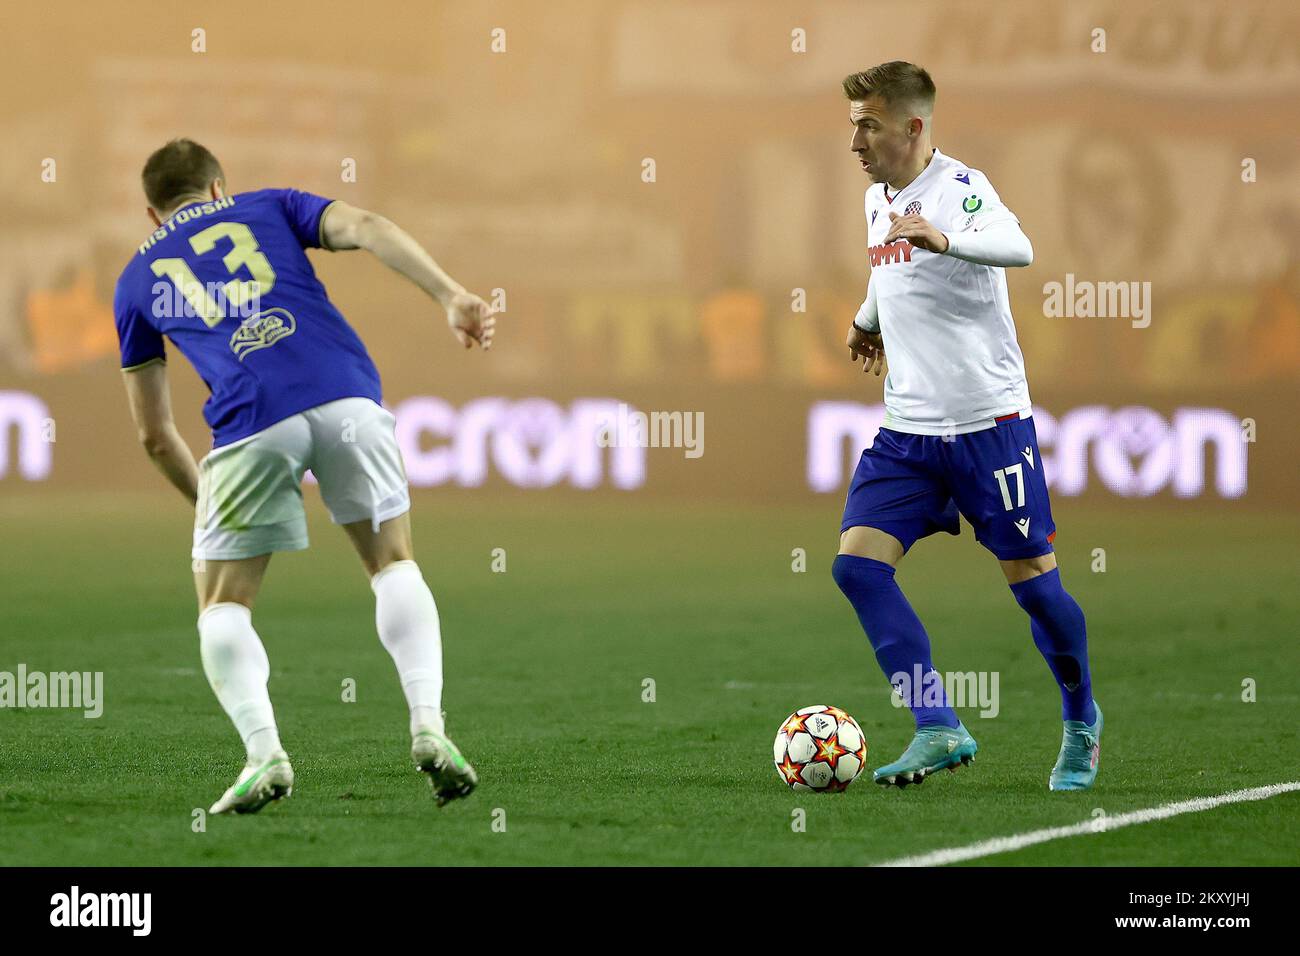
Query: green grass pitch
[(545, 666)]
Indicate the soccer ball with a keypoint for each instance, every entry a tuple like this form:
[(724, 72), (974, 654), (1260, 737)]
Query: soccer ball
[(819, 748)]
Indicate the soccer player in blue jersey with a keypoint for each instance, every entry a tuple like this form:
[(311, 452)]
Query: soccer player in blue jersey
[(958, 434), (226, 279)]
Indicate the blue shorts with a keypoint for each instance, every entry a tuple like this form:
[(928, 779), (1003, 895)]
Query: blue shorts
[(910, 486)]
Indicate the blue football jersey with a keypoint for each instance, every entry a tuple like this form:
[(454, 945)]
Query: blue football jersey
[(228, 282)]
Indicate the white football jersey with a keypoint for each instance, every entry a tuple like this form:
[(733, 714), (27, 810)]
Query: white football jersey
[(954, 363)]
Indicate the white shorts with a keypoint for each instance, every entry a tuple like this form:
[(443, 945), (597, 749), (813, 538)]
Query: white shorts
[(250, 491)]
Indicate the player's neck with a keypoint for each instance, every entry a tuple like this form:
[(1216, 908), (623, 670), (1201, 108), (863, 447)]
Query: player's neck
[(181, 204), (902, 182)]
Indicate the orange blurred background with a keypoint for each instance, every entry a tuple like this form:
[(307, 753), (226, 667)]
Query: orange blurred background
[(513, 140)]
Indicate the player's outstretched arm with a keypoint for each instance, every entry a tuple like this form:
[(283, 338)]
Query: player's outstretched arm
[(347, 227), (1001, 244), (151, 408)]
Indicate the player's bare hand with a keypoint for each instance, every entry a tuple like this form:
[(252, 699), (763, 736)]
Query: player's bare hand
[(471, 320), (868, 347), (918, 232)]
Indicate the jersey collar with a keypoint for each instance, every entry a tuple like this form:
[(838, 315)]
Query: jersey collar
[(177, 211), (935, 157)]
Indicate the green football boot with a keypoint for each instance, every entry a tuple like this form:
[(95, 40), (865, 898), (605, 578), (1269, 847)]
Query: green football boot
[(450, 774), (932, 749), (258, 785), (1076, 767)]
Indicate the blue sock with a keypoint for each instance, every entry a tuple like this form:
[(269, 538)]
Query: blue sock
[(1061, 636), (896, 635)]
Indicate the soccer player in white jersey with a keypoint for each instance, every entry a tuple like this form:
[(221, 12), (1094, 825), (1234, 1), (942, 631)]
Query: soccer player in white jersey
[(958, 434), (226, 280)]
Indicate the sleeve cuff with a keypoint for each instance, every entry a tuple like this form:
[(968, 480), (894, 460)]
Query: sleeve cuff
[(320, 227), (863, 324), (157, 360)]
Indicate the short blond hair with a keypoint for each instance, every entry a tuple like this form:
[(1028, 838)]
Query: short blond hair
[(898, 83)]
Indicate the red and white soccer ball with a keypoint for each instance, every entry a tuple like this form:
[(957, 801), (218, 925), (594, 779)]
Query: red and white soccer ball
[(819, 748)]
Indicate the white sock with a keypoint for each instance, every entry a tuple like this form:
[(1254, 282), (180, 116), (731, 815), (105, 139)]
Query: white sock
[(407, 620), (237, 668)]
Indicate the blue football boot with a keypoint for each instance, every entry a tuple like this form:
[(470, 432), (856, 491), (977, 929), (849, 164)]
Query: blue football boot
[(1076, 767), (932, 749)]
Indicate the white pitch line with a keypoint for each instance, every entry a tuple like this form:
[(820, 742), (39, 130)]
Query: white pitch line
[(1100, 825)]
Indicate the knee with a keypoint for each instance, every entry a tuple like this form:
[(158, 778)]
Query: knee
[(221, 619), (842, 572), (863, 541), (226, 594), (395, 568), (1034, 593), (381, 559), (1020, 570), (856, 575), (1045, 596)]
